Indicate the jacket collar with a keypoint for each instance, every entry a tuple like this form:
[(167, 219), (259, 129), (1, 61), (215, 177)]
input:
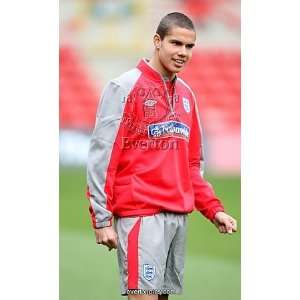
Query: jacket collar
[(145, 68)]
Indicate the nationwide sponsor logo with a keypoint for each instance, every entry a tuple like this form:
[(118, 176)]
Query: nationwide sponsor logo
[(148, 271), (170, 128), (186, 104)]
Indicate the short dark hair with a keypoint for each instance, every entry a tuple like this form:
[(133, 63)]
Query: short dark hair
[(174, 19)]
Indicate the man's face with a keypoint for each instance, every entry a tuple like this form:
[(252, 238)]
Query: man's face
[(175, 50)]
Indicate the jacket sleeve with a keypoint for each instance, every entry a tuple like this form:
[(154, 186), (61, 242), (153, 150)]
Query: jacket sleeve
[(104, 154), (205, 199)]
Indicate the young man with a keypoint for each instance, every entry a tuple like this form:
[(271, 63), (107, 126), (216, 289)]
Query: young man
[(145, 167)]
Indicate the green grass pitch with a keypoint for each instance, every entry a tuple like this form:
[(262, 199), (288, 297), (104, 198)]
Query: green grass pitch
[(90, 272)]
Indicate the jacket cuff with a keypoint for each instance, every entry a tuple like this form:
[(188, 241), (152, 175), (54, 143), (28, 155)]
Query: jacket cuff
[(213, 212), (103, 224)]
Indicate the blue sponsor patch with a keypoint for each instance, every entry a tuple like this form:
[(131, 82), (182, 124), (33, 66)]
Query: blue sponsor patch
[(169, 128), (148, 271)]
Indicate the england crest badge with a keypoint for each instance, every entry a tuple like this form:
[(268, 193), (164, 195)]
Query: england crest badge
[(186, 104), (148, 271)]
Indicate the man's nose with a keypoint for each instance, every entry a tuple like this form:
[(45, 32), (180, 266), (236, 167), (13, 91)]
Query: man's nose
[(182, 51)]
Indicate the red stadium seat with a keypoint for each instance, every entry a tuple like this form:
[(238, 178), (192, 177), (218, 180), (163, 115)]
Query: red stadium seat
[(216, 82), (78, 96)]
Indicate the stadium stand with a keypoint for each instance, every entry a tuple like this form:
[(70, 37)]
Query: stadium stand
[(200, 9), (78, 96), (205, 11), (216, 82)]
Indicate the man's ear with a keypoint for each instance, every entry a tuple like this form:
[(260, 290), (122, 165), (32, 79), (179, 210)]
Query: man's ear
[(157, 41)]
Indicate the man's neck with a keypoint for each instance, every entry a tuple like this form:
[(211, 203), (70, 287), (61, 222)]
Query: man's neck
[(156, 65)]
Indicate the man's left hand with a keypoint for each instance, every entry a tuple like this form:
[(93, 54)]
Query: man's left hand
[(225, 223)]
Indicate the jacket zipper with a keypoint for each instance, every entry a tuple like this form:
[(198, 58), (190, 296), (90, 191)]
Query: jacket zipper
[(170, 101)]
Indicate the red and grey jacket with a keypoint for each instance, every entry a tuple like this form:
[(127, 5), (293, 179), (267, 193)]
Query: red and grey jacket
[(146, 151)]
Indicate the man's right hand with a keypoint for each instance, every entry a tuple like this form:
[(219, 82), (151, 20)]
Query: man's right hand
[(107, 236)]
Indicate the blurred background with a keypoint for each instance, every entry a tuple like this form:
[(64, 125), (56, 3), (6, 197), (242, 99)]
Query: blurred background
[(99, 40)]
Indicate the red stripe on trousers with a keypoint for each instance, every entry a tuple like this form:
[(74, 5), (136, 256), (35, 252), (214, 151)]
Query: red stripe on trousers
[(132, 256)]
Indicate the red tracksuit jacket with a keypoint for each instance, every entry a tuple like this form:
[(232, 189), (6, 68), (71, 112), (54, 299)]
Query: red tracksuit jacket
[(145, 154)]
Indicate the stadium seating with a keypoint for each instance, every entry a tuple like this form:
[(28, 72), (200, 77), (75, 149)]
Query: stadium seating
[(205, 11), (78, 96), (199, 10), (216, 83)]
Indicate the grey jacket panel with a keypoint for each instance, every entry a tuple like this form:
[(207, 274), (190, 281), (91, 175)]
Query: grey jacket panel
[(109, 116)]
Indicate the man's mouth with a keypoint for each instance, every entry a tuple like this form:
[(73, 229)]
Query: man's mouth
[(179, 62)]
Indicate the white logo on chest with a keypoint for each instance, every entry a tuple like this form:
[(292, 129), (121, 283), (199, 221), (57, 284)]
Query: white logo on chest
[(186, 104)]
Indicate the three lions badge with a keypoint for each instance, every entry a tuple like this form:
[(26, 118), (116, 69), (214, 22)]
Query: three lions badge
[(148, 271), (186, 104)]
